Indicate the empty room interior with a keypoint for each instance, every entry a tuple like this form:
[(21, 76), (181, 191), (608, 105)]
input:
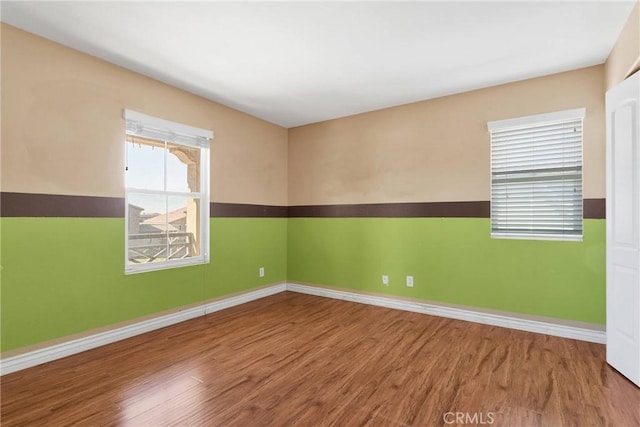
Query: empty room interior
[(320, 213)]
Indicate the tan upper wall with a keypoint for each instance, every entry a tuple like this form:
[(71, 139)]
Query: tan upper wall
[(625, 55), (436, 150), (62, 131), (62, 127)]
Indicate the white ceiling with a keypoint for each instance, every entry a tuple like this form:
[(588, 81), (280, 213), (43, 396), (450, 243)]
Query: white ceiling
[(294, 63)]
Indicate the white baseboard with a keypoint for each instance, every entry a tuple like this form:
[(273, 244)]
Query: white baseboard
[(244, 298), (506, 321), (58, 351)]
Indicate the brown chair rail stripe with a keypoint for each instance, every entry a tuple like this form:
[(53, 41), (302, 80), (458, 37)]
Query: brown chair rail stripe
[(594, 208), (56, 205), (239, 210), (64, 206), (53, 205), (395, 210)]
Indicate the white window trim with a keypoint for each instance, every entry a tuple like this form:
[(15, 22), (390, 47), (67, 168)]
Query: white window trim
[(140, 122), (523, 122), (554, 237), (518, 122), (134, 117)]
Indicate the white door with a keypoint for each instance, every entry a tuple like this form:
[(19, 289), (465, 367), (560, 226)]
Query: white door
[(623, 225)]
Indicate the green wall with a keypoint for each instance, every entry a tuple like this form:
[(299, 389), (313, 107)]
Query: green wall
[(61, 276), (453, 260)]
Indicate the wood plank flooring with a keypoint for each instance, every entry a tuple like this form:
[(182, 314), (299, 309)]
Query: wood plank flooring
[(293, 359)]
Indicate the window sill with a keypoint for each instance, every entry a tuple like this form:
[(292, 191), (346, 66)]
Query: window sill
[(558, 238), (167, 265)]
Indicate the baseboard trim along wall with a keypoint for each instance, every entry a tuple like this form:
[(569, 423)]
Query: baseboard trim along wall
[(523, 323), (232, 301), (58, 351), (513, 321)]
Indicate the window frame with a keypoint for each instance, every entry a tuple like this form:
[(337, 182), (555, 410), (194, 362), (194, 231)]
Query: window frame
[(530, 122), (143, 125)]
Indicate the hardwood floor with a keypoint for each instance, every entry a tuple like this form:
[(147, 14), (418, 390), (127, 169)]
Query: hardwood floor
[(294, 359)]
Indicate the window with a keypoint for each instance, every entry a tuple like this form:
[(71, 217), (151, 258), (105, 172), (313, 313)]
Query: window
[(167, 194), (536, 176)]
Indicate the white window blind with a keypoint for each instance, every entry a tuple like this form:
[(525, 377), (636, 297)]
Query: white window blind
[(164, 130), (536, 176)]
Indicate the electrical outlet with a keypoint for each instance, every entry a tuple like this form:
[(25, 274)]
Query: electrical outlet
[(385, 280), (410, 281), (261, 272)]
